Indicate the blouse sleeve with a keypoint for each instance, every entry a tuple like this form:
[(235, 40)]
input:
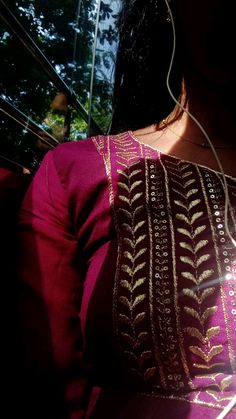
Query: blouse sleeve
[(55, 378)]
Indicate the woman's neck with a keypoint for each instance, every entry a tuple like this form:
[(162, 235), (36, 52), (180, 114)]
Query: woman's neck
[(182, 137), (213, 108)]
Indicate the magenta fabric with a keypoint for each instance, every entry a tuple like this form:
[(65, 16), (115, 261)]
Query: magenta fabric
[(127, 303)]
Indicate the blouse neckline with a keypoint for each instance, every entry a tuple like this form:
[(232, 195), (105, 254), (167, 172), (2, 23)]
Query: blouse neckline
[(135, 139)]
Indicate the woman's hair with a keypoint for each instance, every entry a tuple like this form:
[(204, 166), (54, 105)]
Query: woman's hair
[(145, 46)]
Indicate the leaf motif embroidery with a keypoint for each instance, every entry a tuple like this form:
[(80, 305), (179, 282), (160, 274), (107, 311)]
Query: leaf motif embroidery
[(192, 331), (206, 356), (139, 318), (195, 260), (135, 172), (126, 155), (127, 227), (196, 216), (136, 196), (198, 231), (138, 210), (123, 164), (123, 186), (140, 238), (125, 301), (189, 275), (187, 260), (182, 217), (140, 224), (129, 242), (178, 192), (187, 246), (202, 259), (208, 312), (189, 293), (206, 274), (184, 167), (192, 313), (178, 183), (181, 204), (127, 213), (138, 300), (126, 285), (124, 199), (140, 266), (129, 256), (226, 382), (132, 264), (208, 367), (191, 192), (200, 245), (140, 253), (185, 232), (198, 351), (189, 182), (215, 350), (186, 174), (216, 396), (124, 319), (135, 184), (138, 283), (206, 293), (213, 331), (194, 203), (127, 269), (121, 172)]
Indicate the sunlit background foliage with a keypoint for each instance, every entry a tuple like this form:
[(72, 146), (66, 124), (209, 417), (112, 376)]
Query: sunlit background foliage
[(78, 39)]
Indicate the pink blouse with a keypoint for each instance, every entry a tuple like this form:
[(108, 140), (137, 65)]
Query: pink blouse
[(128, 284)]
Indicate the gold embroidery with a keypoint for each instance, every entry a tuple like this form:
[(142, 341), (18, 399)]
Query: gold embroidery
[(192, 331), (226, 382), (133, 297), (189, 182), (208, 367), (188, 220), (200, 245), (201, 318), (223, 296), (205, 275), (217, 397), (184, 195), (151, 168), (221, 385), (191, 192), (187, 174), (200, 297), (136, 296), (187, 207), (176, 302), (207, 357), (196, 275), (195, 398)]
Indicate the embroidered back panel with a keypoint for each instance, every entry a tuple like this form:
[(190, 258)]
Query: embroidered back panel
[(174, 308)]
